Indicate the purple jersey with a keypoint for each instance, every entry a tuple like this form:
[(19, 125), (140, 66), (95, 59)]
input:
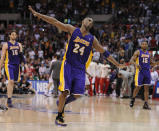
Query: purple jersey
[(144, 60), (79, 49), (12, 54), (143, 75)]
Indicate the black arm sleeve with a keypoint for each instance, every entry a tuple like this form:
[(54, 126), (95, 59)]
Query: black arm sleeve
[(22, 59)]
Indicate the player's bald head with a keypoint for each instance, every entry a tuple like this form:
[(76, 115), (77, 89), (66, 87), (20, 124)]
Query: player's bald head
[(87, 23)]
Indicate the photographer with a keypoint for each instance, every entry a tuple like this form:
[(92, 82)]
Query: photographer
[(25, 87), (3, 87)]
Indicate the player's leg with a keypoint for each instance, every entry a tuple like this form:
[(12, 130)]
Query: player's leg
[(64, 87), (146, 96), (68, 100), (9, 69), (59, 119), (10, 92), (147, 81), (62, 100), (78, 88), (138, 83)]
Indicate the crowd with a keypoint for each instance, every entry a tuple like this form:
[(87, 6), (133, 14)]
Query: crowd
[(130, 25)]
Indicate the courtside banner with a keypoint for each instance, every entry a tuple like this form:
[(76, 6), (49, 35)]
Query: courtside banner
[(40, 86), (156, 91)]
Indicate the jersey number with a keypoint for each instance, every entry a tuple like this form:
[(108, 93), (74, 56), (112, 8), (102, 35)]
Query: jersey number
[(145, 60), (15, 52), (78, 49)]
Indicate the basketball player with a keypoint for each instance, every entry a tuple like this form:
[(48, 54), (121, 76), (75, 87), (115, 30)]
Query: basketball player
[(141, 59), (75, 61), (13, 56)]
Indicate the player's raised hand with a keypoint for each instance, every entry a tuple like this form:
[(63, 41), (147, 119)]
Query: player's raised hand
[(32, 11)]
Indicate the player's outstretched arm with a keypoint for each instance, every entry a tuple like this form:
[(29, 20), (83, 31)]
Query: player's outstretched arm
[(64, 27), (4, 49), (133, 59), (99, 48)]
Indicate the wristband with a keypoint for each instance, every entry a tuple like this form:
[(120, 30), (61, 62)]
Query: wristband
[(106, 54), (22, 59)]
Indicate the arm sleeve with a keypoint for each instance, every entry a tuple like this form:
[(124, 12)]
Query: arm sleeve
[(22, 59)]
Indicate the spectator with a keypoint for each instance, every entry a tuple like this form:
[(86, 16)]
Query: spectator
[(32, 54), (42, 69), (154, 76), (40, 53)]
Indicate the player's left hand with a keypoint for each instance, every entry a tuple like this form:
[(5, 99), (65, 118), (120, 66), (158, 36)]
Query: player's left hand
[(121, 66)]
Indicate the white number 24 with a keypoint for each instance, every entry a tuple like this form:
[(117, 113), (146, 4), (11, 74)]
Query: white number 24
[(78, 49)]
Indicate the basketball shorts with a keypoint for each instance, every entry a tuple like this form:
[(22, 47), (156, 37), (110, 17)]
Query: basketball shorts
[(72, 79), (12, 72), (142, 77)]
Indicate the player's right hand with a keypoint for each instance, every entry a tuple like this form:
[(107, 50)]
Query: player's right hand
[(138, 66), (32, 11)]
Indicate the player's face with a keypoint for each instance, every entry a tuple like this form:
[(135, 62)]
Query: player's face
[(144, 45), (13, 36), (88, 23)]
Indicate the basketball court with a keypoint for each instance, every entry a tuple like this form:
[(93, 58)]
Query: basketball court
[(37, 113)]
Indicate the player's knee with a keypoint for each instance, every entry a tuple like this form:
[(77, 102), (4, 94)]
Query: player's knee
[(65, 93), (11, 82), (146, 89), (138, 88)]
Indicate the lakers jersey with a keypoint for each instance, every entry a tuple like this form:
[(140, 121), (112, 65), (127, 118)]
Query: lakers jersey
[(144, 60), (79, 49), (12, 54)]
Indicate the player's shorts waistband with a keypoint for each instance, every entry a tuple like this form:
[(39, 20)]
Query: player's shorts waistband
[(12, 64)]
